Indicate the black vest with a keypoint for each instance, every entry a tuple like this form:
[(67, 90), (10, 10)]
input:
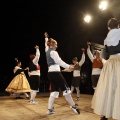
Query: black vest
[(33, 67), (113, 49), (50, 61)]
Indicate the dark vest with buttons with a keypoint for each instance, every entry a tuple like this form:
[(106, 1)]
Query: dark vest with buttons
[(50, 61)]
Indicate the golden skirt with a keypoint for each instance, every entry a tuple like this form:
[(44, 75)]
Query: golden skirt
[(19, 84)]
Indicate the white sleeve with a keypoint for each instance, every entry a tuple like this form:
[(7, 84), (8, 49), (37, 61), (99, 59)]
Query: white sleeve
[(82, 60), (67, 70), (16, 68), (54, 55), (113, 37), (28, 73), (36, 59), (46, 47), (90, 55)]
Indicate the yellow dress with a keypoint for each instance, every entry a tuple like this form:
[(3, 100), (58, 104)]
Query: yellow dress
[(19, 84)]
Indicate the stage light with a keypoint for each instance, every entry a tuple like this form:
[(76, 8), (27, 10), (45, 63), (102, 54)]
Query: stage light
[(103, 5), (87, 18)]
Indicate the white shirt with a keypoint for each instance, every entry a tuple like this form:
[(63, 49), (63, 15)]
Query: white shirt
[(16, 68), (46, 47), (113, 37), (77, 72), (59, 62)]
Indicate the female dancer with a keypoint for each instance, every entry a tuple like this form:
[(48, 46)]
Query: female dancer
[(106, 100), (19, 84)]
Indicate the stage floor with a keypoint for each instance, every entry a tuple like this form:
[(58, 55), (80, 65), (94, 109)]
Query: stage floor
[(20, 109)]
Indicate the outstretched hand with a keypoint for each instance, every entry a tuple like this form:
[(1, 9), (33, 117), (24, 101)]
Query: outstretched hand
[(36, 47), (88, 43), (83, 49), (27, 68), (46, 35), (71, 67)]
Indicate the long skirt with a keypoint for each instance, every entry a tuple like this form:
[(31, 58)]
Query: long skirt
[(19, 84), (106, 99)]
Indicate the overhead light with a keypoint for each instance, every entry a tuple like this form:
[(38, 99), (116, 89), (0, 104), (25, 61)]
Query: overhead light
[(87, 18), (103, 5)]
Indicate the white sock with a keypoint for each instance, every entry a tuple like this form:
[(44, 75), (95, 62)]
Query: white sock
[(26, 94), (69, 99), (51, 102), (33, 95)]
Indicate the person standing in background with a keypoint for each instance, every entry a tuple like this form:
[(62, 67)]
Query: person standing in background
[(97, 65), (76, 73)]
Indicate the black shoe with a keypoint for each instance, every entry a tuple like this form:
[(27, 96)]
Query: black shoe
[(75, 109), (103, 118)]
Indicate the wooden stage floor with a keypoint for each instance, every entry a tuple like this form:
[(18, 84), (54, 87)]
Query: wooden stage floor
[(20, 109)]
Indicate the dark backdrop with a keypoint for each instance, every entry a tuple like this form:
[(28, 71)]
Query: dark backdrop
[(23, 24)]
